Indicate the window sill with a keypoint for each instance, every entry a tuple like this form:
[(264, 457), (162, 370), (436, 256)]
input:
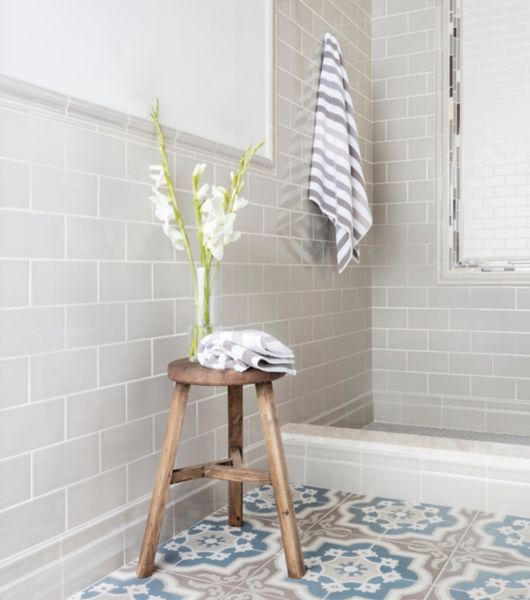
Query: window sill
[(486, 276)]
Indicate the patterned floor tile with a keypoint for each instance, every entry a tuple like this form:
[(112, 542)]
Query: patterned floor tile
[(213, 551), (124, 585), (354, 547), (425, 527), (340, 523), (428, 529), (485, 582), (338, 570), (310, 504), (401, 519), (497, 537)]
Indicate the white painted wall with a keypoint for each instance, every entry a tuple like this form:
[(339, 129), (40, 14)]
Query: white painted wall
[(212, 75)]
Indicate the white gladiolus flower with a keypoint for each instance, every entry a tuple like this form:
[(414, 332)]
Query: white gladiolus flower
[(199, 169), (218, 232), (173, 232), (157, 175), (218, 225), (164, 212), (203, 192), (240, 202), (163, 207)]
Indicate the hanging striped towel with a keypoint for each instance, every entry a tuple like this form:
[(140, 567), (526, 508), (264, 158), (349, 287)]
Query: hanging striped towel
[(336, 180)]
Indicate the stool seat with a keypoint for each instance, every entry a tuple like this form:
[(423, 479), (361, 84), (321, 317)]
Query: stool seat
[(192, 373)]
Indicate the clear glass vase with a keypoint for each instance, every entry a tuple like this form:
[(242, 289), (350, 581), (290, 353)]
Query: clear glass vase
[(206, 307)]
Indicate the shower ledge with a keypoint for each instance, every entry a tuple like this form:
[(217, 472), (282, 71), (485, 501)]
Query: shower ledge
[(475, 452), (471, 474)]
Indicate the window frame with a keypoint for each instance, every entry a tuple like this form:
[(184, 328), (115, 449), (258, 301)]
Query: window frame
[(452, 269)]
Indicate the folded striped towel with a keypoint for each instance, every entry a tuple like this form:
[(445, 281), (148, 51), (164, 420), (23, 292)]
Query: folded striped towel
[(242, 350), (336, 180)]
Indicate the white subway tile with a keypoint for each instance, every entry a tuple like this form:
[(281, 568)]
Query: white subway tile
[(430, 362), (124, 443), (403, 87), (27, 137), (168, 349), (30, 331), (63, 282), (95, 153), (62, 191), (472, 320), (14, 283), (78, 369), (386, 26), (450, 341), (139, 158), (157, 389), (428, 318), (13, 382), (28, 235), (470, 364), (147, 242), (31, 523), (123, 362), (119, 281), (15, 474), (63, 464), (150, 319), (407, 339), (14, 183), (95, 410), (95, 239), (484, 297), (408, 382), (94, 324), (32, 426), (125, 200), (440, 383), (96, 496), (492, 387), (422, 19), (493, 343), (407, 43)]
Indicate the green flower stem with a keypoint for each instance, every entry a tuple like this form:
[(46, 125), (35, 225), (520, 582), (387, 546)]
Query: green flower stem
[(172, 194), (203, 325)]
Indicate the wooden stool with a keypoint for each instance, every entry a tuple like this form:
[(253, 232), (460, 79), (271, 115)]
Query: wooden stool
[(185, 373)]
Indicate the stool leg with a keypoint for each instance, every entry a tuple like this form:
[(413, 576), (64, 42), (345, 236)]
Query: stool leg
[(280, 480), (235, 452), (146, 562)]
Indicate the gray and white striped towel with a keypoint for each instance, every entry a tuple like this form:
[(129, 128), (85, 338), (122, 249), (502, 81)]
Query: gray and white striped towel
[(242, 350), (336, 180)]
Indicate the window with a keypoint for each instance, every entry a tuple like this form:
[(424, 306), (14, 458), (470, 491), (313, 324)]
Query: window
[(489, 133)]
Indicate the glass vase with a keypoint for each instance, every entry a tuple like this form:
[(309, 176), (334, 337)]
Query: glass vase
[(206, 307)]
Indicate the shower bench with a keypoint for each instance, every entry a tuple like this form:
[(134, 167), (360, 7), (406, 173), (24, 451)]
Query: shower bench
[(185, 373)]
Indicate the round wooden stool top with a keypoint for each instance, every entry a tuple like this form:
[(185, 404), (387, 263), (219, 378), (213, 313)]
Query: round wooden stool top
[(192, 373)]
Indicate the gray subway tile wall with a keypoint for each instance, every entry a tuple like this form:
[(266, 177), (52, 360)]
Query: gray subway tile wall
[(93, 306), (443, 354)]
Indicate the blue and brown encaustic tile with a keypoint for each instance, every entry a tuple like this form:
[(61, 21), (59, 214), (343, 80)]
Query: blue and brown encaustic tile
[(124, 585), (213, 551), (493, 538), (337, 570), (354, 546), (484, 582), (310, 504), (420, 528)]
